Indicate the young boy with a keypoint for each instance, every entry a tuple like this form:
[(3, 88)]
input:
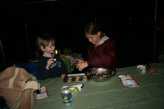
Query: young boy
[(48, 64)]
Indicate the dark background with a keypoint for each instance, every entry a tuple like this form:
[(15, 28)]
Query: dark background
[(134, 24)]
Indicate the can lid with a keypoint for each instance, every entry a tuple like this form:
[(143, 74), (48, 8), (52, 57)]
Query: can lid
[(65, 90)]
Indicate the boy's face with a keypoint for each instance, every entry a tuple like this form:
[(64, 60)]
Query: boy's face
[(49, 49)]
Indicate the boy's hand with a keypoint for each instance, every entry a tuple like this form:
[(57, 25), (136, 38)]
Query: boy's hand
[(63, 76), (49, 63)]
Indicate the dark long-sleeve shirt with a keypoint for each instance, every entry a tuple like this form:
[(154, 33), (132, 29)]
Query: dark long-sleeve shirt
[(102, 55), (38, 68)]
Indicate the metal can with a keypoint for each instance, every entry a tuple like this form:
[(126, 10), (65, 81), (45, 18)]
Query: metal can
[(66, 95)]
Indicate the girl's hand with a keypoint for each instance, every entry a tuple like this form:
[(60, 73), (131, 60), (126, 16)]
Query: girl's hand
[(81, 64), (49, 63)]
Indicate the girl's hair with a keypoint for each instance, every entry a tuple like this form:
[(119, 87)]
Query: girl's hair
[(92, 28)]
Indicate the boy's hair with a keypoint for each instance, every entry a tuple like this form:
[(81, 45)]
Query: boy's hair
[(43, 41)]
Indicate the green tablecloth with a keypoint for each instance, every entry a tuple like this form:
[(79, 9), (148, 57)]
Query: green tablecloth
[(110, 94)]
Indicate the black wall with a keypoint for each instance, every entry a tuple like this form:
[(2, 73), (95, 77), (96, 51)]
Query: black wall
[(131, 25)]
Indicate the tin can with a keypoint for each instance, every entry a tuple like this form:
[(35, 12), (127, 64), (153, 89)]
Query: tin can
[(66, 95)]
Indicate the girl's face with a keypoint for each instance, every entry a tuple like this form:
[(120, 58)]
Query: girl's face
[(49, 49), (94, 39)]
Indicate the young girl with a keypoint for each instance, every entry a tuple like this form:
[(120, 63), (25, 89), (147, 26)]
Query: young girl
[(102, 51)]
